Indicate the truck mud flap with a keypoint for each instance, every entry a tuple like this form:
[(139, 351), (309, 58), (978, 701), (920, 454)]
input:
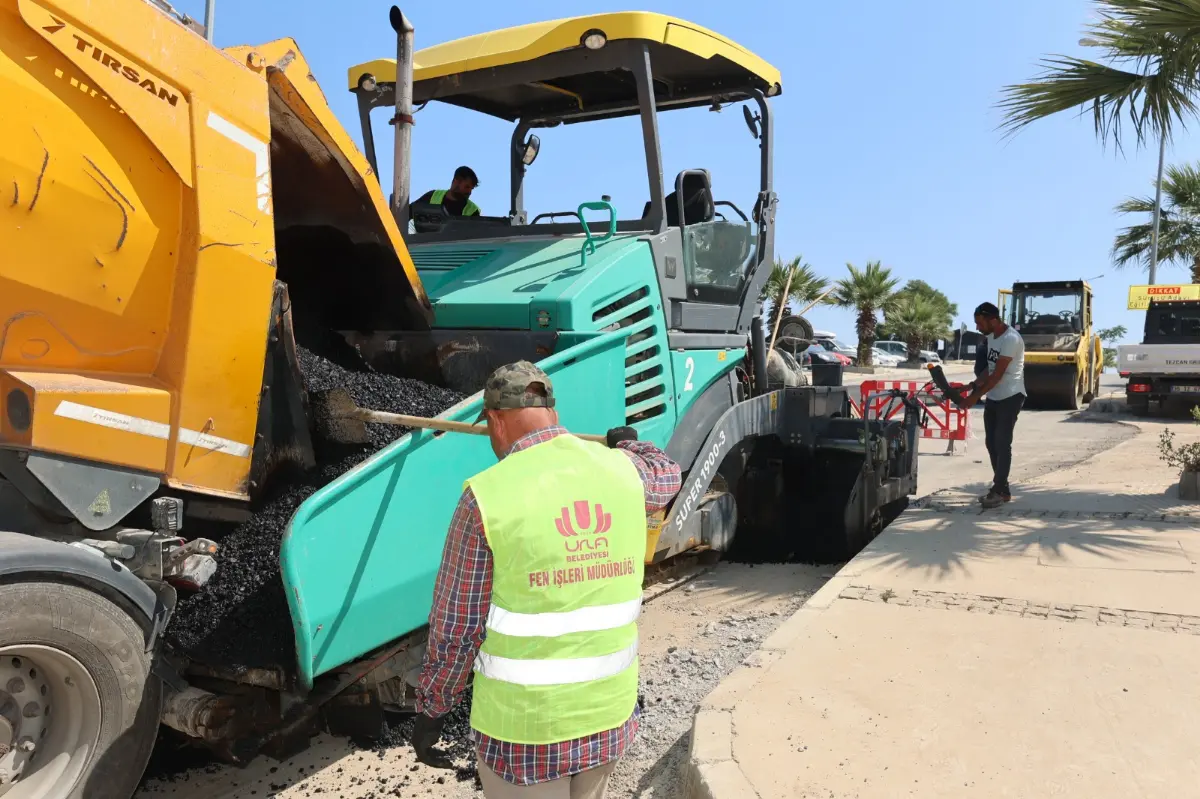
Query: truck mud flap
[(24, 555)]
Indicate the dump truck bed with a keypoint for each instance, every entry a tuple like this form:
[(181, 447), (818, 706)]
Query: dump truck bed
[(170, 184)]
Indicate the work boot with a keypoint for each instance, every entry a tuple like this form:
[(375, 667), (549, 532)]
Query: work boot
[(995, 498)]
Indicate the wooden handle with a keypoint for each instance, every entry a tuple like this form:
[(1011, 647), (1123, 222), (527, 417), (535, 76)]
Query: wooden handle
[(382, 417)]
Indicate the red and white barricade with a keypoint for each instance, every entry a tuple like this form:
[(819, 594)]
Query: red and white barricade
[(942, 420)]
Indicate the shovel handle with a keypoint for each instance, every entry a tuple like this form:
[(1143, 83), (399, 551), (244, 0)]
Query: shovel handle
[(382, 417)]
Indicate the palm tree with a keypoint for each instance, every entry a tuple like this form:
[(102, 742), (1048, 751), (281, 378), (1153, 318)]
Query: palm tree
[(1179, 224), (916, 320), (805, 286), (946, 310), (1152, 55), (868, 290)]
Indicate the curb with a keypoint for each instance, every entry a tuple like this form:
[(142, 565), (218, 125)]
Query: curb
[(712, 770)]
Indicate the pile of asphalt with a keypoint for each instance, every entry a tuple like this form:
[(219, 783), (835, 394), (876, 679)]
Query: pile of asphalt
[(455, 744), (378, 771), (240, 618)]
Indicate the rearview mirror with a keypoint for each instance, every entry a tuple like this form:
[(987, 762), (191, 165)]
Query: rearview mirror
[(530, 150), (752, 119)]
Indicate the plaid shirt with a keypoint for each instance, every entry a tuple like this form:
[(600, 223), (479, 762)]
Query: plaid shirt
[(461, 600)]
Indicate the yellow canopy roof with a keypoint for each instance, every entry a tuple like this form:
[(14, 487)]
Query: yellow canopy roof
[(528, 42)]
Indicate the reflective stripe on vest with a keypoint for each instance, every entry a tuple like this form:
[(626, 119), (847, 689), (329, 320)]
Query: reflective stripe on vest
[(470, 209), (571, 671), (582, 620), (566, 523)]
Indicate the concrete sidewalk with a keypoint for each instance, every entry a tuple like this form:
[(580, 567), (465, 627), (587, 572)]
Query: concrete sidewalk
[(1046, 649)]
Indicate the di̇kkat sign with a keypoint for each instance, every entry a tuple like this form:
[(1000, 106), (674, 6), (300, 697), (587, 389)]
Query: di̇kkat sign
[(1140, 296)]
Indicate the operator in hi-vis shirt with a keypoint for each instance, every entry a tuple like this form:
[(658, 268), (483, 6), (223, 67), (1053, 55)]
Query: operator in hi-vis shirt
[(456, 199), (1004, 385)]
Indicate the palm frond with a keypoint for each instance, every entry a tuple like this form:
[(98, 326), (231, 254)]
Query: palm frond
[(1152, 103), (1181, 187), (932, 299), (1176, 18), (799, 278), (1136, 205), (1179, 223), (1132, 245), (867, 290), (916, 319), (1147, 76)]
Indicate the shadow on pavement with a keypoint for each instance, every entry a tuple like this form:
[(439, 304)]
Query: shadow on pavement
[(666, 770), (948, 544), (944, 532), (1095, 417)]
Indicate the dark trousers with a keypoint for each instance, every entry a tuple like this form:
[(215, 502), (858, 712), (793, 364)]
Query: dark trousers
[(999, 421)]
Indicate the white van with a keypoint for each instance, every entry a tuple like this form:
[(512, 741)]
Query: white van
[(900, 349), (897, 348)]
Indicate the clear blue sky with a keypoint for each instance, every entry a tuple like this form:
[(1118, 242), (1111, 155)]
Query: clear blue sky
[(886, 140)]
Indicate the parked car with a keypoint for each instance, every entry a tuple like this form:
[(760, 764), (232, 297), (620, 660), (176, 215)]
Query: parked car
[(884, 358), (819, 354), (896, 348), (833, 345), (900, 349)]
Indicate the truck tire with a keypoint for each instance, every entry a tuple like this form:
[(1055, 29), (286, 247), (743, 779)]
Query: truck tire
[(74, 664)]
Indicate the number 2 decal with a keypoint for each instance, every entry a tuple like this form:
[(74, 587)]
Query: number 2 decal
[(690, 365)]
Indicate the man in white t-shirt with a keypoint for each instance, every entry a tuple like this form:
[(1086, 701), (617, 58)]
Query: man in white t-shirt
[(1004, 385)]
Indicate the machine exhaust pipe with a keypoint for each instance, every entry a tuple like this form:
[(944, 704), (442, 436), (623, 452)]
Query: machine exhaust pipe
[(758, 351), (403, 120), (210, 16)]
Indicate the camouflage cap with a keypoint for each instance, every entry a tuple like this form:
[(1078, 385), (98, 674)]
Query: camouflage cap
[(507, 388)]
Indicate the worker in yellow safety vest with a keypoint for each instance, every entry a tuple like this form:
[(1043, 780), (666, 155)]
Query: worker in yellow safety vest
[(456, 199), (539, 594)]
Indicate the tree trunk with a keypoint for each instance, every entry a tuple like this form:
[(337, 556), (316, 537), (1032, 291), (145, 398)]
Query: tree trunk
[(914, 348), (1196, 269), (866, 335), (777, 302)]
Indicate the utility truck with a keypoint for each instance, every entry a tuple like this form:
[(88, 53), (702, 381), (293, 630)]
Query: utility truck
[(1165, 367)]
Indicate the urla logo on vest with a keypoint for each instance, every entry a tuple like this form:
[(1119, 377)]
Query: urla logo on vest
[(583, 520)]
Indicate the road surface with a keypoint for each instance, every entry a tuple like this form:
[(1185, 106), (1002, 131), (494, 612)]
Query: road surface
[(693, 635)]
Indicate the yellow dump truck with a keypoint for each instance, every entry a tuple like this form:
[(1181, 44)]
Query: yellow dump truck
[(165, 206)]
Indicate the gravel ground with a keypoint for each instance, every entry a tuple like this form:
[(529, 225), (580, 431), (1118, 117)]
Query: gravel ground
[(691, 637)]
